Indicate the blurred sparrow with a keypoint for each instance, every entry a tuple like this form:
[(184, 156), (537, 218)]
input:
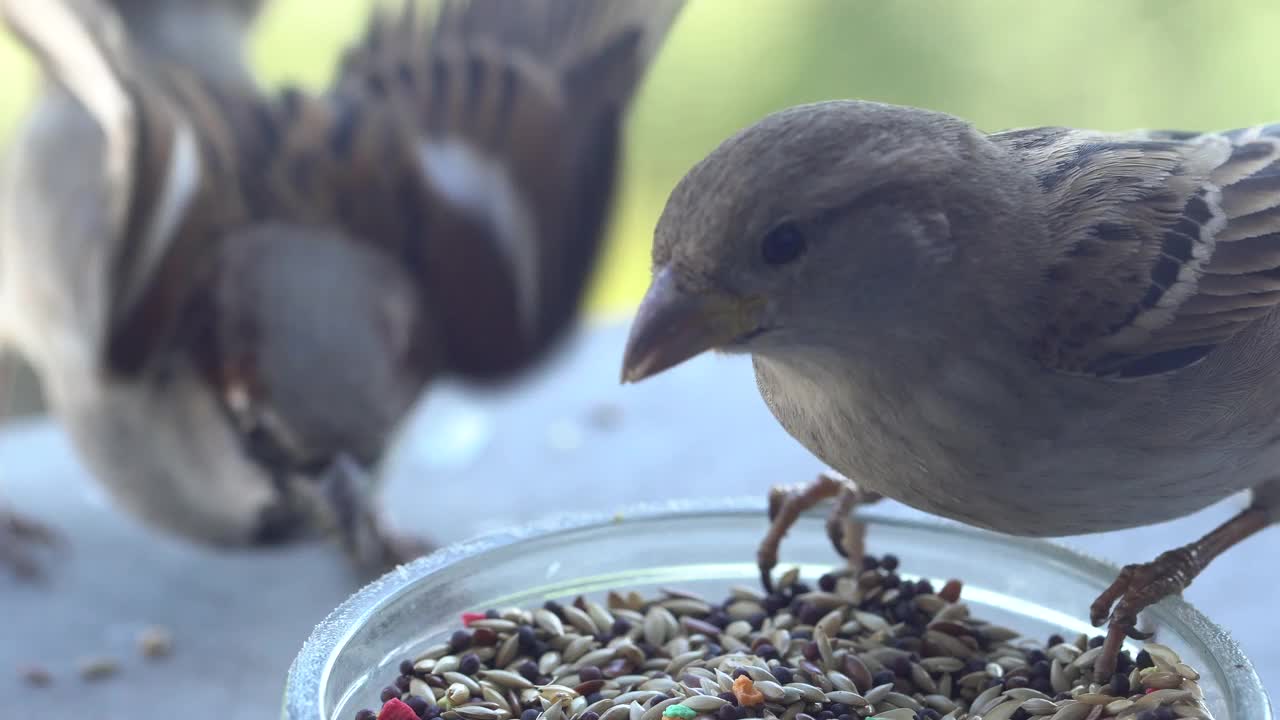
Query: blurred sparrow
[(233, 297), (1041, 332)]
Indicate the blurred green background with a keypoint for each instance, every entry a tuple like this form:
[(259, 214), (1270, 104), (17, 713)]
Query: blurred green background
[(1114, 64)]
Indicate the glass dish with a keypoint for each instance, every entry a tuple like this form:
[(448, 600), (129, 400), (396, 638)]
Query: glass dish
[(1031, 586)]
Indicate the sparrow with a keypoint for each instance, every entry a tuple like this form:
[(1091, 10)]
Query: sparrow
[(1040, 332), (234, 296)]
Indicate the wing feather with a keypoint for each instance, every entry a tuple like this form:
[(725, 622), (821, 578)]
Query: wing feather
[(1170, 243)]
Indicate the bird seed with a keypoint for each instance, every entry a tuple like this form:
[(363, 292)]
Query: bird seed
[(860, 646)]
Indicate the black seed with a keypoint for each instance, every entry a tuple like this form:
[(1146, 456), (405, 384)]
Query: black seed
[(719, 618), (460, 640), (889, 562), (727, 712), (406, 667), (417, 705), (783, 675), (529, 671), (891, 581), (589, 673), (900, 666), (530, 714), (527, 641), (994, 682), (1055, 640), (1035, 657), (1096, 641), (728, 697), (1144, 660), (554, 607), (811, 615), (620, 627), (924, 587), (870, 562), (827, 583), (740, 673), (1120, 685), (389, 693), (469, 664), (1020, 714), (826, 715), (366, 715), (838, 708), (402, 682), (884, 677), (1124, 663), (756, 620), (773, 602), (492, 614)]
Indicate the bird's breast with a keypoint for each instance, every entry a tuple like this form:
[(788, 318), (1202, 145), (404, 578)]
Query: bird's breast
[(1007, 451)]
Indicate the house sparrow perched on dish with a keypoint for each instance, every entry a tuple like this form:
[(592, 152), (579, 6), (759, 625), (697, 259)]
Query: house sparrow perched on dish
[(1042, 332), (233, 297)]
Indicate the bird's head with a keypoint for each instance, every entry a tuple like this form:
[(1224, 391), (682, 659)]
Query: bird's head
[(821, 226)]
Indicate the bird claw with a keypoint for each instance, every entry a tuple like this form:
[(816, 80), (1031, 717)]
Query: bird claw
[(786, 504), (18, 535), (1136, 588), (373, 546)]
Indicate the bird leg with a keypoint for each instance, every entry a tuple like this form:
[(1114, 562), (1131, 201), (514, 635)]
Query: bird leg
[(786, 504), (17, 535), (1140, 586), (374, 546)]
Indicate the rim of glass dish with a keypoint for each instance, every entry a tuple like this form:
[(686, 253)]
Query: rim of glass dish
[(304, 686)]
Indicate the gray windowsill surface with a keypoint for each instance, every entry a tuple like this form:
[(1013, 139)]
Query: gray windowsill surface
[(464, 465)]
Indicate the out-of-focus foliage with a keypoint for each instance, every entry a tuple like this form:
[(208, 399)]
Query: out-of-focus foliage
[(999, 63)]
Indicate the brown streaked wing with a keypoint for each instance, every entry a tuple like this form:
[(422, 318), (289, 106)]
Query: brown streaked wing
[(1170, 243)]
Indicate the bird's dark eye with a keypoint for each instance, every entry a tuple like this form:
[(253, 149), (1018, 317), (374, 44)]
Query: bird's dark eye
[(783, 244)]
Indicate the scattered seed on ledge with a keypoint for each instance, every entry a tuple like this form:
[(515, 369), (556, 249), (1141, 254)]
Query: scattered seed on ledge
[(854, 646), (99, 668), (36, 676), (155, 642)]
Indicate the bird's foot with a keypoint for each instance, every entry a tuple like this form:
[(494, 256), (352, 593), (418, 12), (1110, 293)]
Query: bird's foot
[(786, 504), (383, 548), (1140, 586), (19, 535), (373, 546)]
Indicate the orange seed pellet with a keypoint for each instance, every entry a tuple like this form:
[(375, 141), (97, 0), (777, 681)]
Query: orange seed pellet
[(744, 688)]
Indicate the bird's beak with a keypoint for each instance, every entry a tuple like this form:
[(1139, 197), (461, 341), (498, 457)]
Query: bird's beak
[(674, 325)]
